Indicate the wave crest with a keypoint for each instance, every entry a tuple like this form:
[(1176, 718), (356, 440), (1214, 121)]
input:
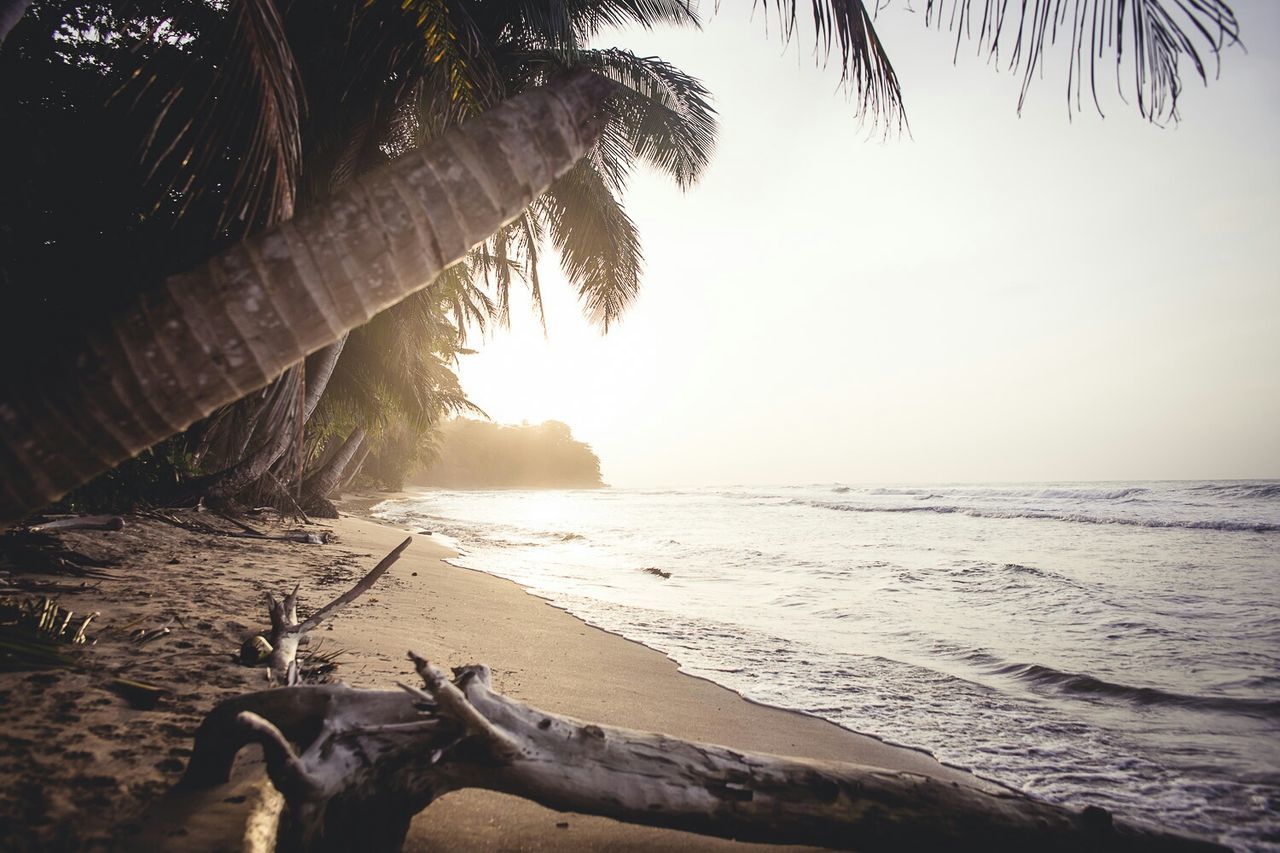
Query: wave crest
[(1081, 518), (1074, 682)]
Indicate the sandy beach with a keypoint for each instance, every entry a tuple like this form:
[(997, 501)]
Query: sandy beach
[(85, 768)]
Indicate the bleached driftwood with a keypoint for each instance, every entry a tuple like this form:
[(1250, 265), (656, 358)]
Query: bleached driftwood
[(80, 522), (279, 648), (354, 766)]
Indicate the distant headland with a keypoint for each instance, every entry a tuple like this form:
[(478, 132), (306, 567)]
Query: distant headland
[(482, 455)]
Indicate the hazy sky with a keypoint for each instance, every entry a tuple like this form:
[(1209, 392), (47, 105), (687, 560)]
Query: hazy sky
[(993, 298)]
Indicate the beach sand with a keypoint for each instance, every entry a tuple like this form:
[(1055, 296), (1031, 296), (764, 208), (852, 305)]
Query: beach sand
[(83, 769)]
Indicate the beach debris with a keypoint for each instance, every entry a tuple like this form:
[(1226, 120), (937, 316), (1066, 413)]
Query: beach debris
[(243, 531), (654, 570), (353, 766), (281, 642), (146, 635), (41, 552), (81, 522), (255, 650), (139, 694), (318, 664), (32, 629)]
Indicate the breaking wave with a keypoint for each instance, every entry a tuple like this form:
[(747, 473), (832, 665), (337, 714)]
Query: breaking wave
[(1074, 682), (1242, 526)]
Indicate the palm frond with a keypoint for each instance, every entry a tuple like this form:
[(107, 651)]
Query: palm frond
[(1150, 37), (598, 242), (570, 24), (239, 101), (865, 70), (457, 77), (455, 292), (658, 114)]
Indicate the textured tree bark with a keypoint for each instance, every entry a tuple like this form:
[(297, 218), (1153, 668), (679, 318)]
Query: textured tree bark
[(320, 485), (355, 469), (369, 760), (11, 11), (210, 335), (320, 365)]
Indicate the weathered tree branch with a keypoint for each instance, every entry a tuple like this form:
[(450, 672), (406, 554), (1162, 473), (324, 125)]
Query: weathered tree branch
[(280, 652), (80, 522), (354, 766)]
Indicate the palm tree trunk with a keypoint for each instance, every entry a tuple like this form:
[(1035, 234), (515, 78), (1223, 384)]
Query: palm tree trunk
[(320, 484), (320, 365), (356, 468), (209, 336), (11, 12)]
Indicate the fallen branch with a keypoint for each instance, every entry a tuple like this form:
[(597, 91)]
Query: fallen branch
[(83, 522), (279, 648), (354, 766), (245, 532)]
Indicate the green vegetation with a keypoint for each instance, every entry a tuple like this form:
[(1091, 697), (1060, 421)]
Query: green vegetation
[(481, 455), (31, 631)]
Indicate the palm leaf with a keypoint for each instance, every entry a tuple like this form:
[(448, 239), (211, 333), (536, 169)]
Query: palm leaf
[(1150, 37), (658, 114), (567, 25), (239, 100), (598, 242), (865, 70)]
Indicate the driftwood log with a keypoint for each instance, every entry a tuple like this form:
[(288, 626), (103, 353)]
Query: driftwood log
[(354, 766), (278, 649)]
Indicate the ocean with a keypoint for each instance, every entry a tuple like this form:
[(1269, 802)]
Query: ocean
[(1115, 644)]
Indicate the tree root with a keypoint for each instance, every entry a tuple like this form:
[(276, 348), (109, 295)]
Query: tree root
[(354, 766)]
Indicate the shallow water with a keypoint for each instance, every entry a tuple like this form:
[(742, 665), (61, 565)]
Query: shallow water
[(1114, 644)]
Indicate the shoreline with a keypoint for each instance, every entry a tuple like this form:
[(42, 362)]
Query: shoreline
[(87, 768), (749, 700), (360, 506), (541, 654)]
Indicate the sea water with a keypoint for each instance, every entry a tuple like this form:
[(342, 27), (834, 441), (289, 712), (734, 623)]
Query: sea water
[(1115, 644)]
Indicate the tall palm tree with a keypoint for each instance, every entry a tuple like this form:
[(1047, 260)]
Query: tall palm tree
[(493, 51)]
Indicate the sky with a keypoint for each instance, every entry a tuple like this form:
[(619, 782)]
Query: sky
[(993, 298)]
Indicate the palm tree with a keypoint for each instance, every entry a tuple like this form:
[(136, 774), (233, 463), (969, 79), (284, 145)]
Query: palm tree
[(246, 311), (493, 51)]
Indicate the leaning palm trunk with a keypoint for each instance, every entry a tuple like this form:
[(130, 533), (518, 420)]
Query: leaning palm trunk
[(354, 470), (321, 484), (319, 369), (208, 336)]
